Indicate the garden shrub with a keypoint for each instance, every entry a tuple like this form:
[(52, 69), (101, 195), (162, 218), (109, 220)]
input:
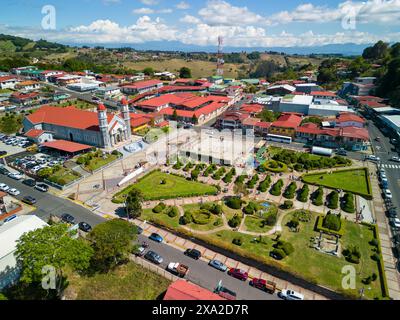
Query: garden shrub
[(218, 222), (318, 197), (160, 207), (271, 219), (352, 254), (173, 212), (287, 247), (250, 208), (201, 217), (216, 209), (303, 215), (235, 221), (186, 218), (234, 203), (333, 200), (278, 254), (348, 203), (290, 190), (287, 204), (303, 194), (237, 241), (264, 185), (276, 189), (332, 221)]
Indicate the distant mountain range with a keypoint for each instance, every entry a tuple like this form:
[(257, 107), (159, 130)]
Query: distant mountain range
[(347, 49)]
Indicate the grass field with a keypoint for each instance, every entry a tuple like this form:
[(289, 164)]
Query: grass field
[(199, 68), (356, 180), (199, 227), (98, 162), (253, 224), (306, 262), (160, 218), (174, 187), (127, 282), (64, 176)]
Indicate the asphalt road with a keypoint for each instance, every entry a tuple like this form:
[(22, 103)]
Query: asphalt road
[(199, 272)]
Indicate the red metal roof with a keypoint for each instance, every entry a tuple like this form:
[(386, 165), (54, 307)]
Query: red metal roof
[(345, 117), (183, 290), (34, 133), (67, 146), (323, 93), (288, 121), (252, 108), (7, 78), (67, 117)]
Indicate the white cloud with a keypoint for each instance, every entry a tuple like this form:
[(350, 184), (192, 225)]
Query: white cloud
[(371, 11), (190, 19), (183, 5), (151, 11), (219, 12), (143, 11), (149, 2)]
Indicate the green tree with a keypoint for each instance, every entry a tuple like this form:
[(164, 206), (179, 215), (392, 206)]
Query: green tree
[(175, 115), (112, 242), (185, 73), (148, 71), (194, 119), (134, 203), (51, 246), (378, 51)]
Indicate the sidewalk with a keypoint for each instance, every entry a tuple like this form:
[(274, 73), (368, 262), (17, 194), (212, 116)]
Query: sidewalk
[(392, 275)]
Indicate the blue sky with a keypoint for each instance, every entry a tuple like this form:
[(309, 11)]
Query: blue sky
[(261, 23)]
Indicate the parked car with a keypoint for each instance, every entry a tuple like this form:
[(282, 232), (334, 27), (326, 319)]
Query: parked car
[(225, 293), (288, 294), (140, 251), (3, 153), (395, 222), (42, 187), (392, 213), (193, 253), (29, 182), (395, 159), (388, 194), (218, 265), (264, 285), (29, 200), (156, 237), (4, 187), (15, 175), (238, 274), (85, 227), (153, 257), (4, 171), (178, 269), (14, 192), (373, 158), (66, 217)]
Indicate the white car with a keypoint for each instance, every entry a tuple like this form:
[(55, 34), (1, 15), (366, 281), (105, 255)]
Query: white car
[(388, 194), (373, 158), (14, 192), (396, 159), (288, 294), (4, 187), (15, 175), (396, 222)]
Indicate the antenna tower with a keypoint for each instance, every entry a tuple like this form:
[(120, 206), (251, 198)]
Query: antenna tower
[(220, 57)]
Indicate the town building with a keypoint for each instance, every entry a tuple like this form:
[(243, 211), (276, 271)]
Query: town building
[(141, 87), (286, 125), (183, 290), (10, 232), (8, 82), (99, 129), (27, 85), (108, 92)]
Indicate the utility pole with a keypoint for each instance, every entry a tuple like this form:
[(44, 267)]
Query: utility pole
[(220, 57)]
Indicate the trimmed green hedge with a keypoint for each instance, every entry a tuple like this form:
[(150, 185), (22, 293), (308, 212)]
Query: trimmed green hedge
[(319, 227)]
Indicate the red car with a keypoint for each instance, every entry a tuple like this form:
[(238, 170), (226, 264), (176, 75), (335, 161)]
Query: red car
[(238, 274), (264, 285)]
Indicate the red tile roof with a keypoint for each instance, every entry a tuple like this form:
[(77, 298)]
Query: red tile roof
[(34, 133), (354, 132), (183, 290), (252, 108), (67, 146), (7, 78), (345, 117), (323, 93), (288, 121), (69, 117)]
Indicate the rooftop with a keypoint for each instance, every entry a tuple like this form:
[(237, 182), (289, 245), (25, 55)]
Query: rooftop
[(184, 290), (66, 146)]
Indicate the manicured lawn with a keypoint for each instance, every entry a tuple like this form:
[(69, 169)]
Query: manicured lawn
[(199, 227), (160, 218), (254, 224), (174, 187), (356, 180), (127, 282), (99, 162), (64, 176), (326, 269)]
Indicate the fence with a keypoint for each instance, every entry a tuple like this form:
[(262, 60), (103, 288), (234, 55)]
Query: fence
[(152, 267)]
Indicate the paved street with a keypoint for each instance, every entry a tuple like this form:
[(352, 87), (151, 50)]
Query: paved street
[(200, 273)]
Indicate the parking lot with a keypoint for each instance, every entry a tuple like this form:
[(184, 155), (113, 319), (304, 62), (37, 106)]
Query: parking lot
[(13, 144)]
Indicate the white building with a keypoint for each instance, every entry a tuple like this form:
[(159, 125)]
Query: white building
[(10, 232), (8, 82), (295, 103), (108, 92)]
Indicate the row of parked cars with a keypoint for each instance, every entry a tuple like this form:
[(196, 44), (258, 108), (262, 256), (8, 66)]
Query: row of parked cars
[(16, 141), (182, 270), (34, 164)]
